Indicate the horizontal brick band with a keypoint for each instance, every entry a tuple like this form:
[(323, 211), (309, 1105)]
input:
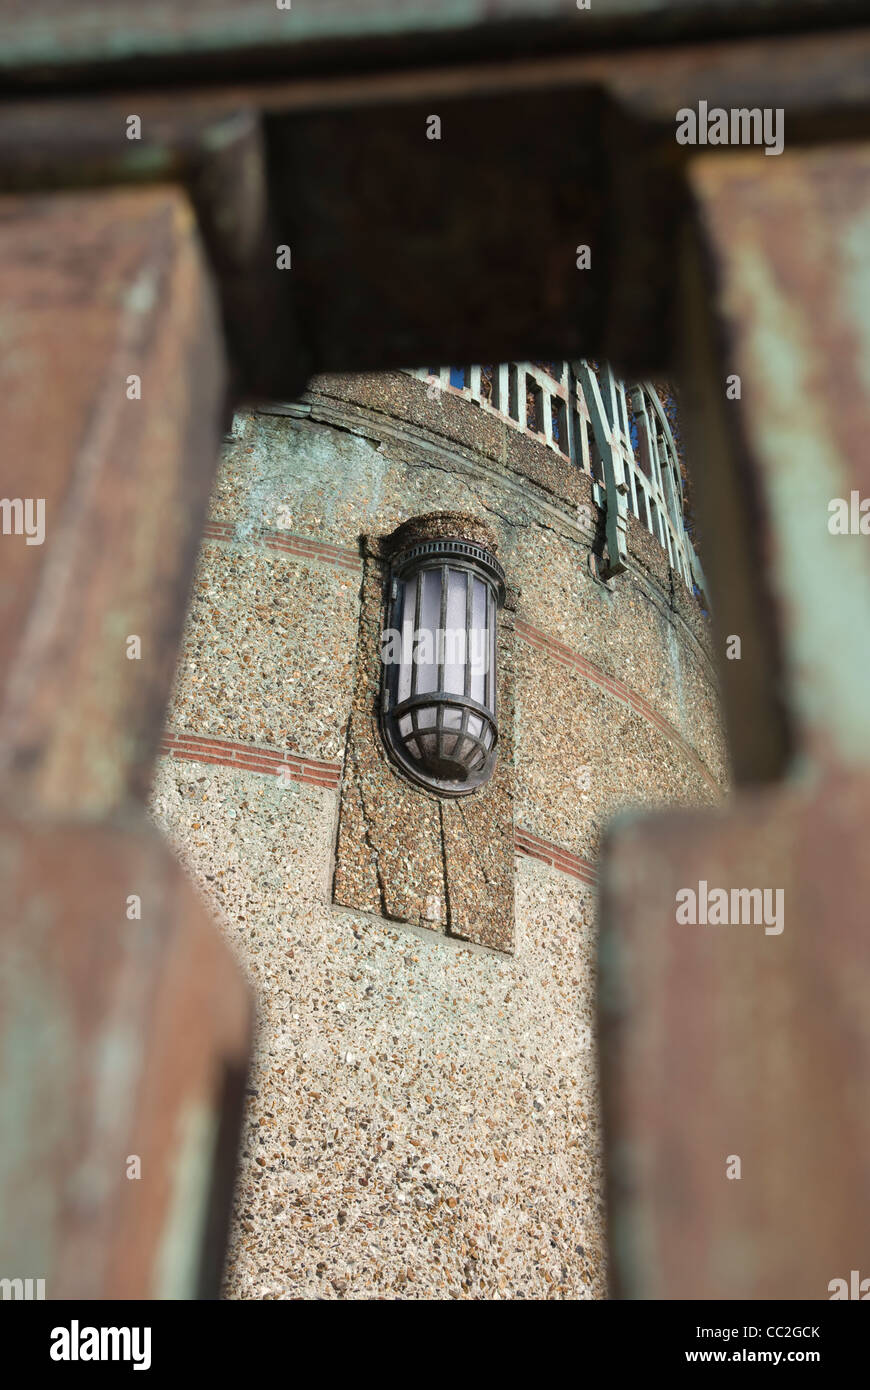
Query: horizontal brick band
[(559, 858), (613, 686), (248, 757), (301, 547)]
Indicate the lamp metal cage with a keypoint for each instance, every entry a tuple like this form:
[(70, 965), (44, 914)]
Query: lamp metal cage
[(438, 706)]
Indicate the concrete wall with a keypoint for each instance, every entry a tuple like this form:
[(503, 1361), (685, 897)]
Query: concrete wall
[(422, 1117)]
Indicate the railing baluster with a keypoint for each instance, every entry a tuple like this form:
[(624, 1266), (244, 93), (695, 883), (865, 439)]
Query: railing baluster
[(503, 374), (545, 424)]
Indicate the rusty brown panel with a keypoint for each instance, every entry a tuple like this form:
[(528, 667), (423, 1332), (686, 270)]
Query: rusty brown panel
[(216, 155), (729, 508), (790, 251), (724, 1040), (728, 1039), (118, 1040), (94, 289)]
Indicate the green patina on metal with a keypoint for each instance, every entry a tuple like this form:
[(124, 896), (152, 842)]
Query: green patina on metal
[(804, 470), (830, 669), (36, 1098), (177, 1268), (95, 31)]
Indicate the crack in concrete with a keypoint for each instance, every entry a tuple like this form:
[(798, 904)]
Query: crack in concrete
[(351, 754), (448, 912), (366, 827)]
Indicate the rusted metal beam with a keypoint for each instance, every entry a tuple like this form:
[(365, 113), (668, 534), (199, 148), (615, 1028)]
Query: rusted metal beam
[(112, 387), (124, 1045), (124, 1022), (751, 1040), (815, 73), (112, 39)]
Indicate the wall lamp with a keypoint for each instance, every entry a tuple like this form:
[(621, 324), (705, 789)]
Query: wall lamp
[(438, 702)]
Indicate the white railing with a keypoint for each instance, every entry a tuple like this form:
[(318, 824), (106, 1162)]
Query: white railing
[(618, 434)]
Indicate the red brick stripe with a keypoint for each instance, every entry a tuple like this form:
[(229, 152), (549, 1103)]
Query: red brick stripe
[(559, 858), (219, 530), (248, 757), (613, 686), (302, 547)]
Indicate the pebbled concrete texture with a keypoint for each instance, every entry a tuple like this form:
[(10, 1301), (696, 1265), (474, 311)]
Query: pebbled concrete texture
[(582, 757), (268, 650), (423, 1118), (631, 633)]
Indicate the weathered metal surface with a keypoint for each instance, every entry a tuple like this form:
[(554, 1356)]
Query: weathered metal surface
[(731, 1040), (120, 1040), (123, 1020), (792, 254), (821, 75), (723, 1041), (123, 36), (96, 289), (217, 157)]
